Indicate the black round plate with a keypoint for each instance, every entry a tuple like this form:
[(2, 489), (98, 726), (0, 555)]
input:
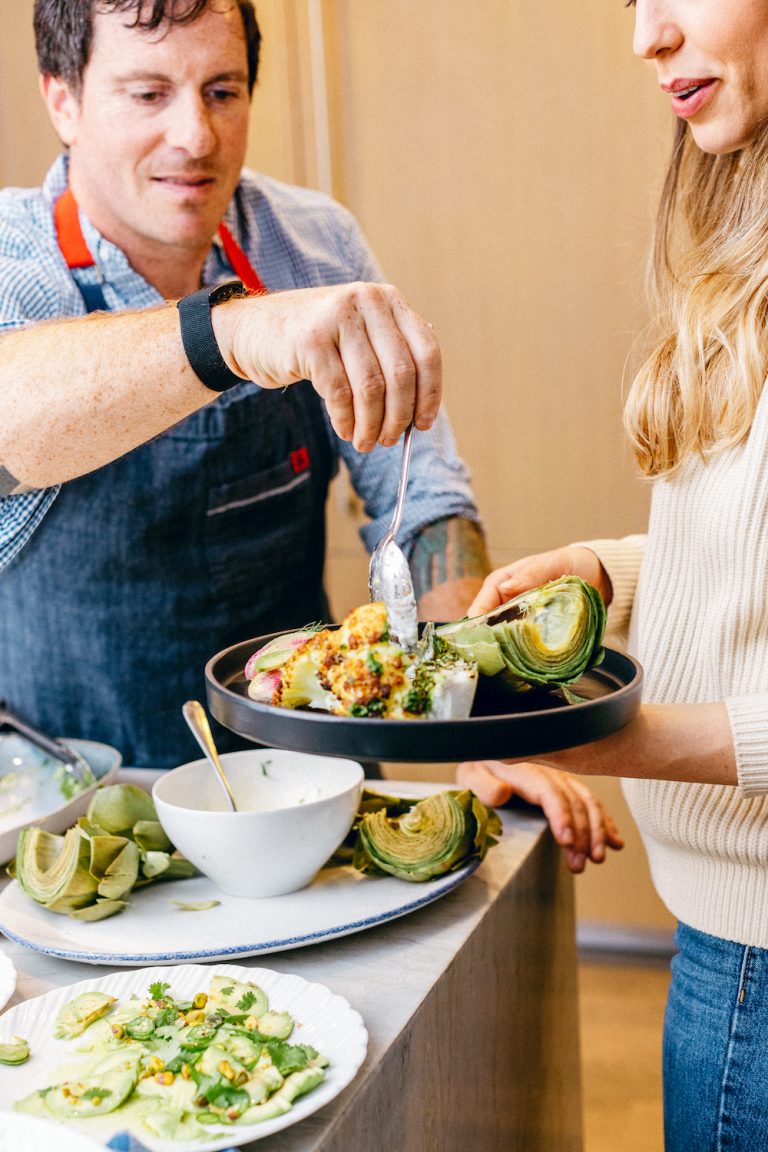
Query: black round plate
[(502, 724)]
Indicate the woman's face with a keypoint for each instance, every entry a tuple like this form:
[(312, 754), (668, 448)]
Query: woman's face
[(711, 56)]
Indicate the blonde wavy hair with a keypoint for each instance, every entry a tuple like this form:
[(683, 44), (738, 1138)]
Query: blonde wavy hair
[(698, 390)]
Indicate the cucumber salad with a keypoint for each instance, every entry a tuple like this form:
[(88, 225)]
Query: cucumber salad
[(178, 1067)]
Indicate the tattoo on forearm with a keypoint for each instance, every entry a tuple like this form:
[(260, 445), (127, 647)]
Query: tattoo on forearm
[(447, 550)]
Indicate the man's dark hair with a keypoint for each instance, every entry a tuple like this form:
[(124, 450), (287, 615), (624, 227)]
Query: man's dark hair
[(64, 30)]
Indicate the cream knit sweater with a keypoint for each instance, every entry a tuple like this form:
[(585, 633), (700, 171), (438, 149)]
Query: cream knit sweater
[(694, 593)]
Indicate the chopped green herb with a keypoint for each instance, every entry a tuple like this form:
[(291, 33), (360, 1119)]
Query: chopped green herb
[(158, 989), (95, 1093), (373, 664), (372, 708), (246, 1001)]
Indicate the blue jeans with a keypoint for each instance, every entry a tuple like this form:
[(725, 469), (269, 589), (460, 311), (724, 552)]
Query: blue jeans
[(716, 1047)]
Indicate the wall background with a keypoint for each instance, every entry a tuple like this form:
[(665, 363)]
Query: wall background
[(503, 159)]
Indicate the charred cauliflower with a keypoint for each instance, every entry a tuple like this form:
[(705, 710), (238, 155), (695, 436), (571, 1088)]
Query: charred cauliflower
[(356, 670)]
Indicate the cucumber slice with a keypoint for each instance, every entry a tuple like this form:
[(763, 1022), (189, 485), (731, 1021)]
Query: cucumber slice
[(74, 1017), (96, 1096)]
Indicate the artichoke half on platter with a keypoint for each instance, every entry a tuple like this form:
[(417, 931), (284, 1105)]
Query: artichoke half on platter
[(419, 840), (89, 871), (546, 638)]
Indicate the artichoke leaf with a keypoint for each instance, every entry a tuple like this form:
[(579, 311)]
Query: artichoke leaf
[(154, 864), (121, 874), (151, 837), (104, 850), (119, 807), (98, 911)]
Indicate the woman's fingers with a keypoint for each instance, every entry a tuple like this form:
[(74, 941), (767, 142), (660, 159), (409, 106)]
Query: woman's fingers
[(505, 583), (485, 779), (577, 817)]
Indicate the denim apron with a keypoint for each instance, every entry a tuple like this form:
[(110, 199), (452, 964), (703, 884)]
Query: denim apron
[(209, 534)]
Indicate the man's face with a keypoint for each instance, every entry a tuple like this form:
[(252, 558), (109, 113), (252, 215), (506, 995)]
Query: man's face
[(157, 134)]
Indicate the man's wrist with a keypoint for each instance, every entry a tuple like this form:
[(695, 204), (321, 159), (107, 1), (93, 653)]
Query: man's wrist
[(199, 338)]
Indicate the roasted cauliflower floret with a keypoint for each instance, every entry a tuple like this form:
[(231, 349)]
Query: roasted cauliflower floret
[(356, 670), (367, 680), (365, 625), (303, 681)]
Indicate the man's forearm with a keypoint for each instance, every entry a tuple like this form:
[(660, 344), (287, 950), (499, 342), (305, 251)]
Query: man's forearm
[(76, 394), (449, 562)]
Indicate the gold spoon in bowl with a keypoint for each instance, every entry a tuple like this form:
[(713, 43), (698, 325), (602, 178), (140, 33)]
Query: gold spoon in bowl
[(195, 716)]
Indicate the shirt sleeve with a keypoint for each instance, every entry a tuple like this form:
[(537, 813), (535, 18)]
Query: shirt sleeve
[(439, 485), (26, 296)]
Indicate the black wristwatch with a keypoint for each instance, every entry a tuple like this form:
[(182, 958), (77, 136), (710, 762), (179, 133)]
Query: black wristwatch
[(198, 337)]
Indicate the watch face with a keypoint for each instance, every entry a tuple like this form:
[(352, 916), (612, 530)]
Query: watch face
[(226, 291)]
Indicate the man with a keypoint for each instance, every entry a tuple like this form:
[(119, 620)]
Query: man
[(145, 528)]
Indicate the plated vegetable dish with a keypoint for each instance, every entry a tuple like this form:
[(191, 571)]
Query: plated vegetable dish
[(178, 1067), (545, 639)]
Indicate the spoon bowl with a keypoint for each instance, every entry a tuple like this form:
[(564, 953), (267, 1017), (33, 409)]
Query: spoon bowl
[(389, 576)]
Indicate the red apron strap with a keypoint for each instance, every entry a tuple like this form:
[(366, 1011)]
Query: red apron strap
[(241, 265), (75, 250), (69, 233)]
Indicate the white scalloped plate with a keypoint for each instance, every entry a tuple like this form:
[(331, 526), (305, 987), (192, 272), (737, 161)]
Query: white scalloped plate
[(323, 1019), (21, 1133)]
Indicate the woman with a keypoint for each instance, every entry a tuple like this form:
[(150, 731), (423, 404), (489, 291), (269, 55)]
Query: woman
[(694, 589)]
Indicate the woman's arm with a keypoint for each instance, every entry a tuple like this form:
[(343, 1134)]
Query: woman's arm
[(688, 742)]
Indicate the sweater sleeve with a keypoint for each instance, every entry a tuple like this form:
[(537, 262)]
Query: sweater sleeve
[(621, 560), (748, 716)]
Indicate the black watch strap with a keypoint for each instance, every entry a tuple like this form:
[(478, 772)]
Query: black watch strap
[(198, 337)]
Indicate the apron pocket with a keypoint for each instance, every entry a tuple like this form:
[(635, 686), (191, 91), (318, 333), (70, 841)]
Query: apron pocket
[(257, 530)]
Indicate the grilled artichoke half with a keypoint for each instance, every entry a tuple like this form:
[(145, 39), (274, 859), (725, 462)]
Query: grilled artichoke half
[(434, 836), (89, 871), (547, 637)]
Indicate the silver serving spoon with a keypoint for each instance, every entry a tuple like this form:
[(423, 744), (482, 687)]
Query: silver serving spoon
[(389, 577), (195, 716), (74, 764)]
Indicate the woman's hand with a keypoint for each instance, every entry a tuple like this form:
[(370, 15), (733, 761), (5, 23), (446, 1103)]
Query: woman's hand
[(579, 822), (511, 580)]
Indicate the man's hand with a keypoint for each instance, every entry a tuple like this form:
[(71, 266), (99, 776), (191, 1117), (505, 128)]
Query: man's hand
[(505, 583), (579, 822), (375, 362)]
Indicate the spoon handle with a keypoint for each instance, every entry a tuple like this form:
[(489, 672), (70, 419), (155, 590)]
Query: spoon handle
[(406, 460), (195, 716)]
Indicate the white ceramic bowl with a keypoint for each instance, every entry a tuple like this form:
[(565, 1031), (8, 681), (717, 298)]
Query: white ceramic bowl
[(294, 811), (30, 787)]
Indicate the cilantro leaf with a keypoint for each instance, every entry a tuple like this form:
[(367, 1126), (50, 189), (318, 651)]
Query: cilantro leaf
[(289, 1058), (245, 1001), (95, 1093), (158, 989)]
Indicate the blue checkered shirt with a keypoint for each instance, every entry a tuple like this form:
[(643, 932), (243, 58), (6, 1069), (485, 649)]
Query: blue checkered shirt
[(295, 238)]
